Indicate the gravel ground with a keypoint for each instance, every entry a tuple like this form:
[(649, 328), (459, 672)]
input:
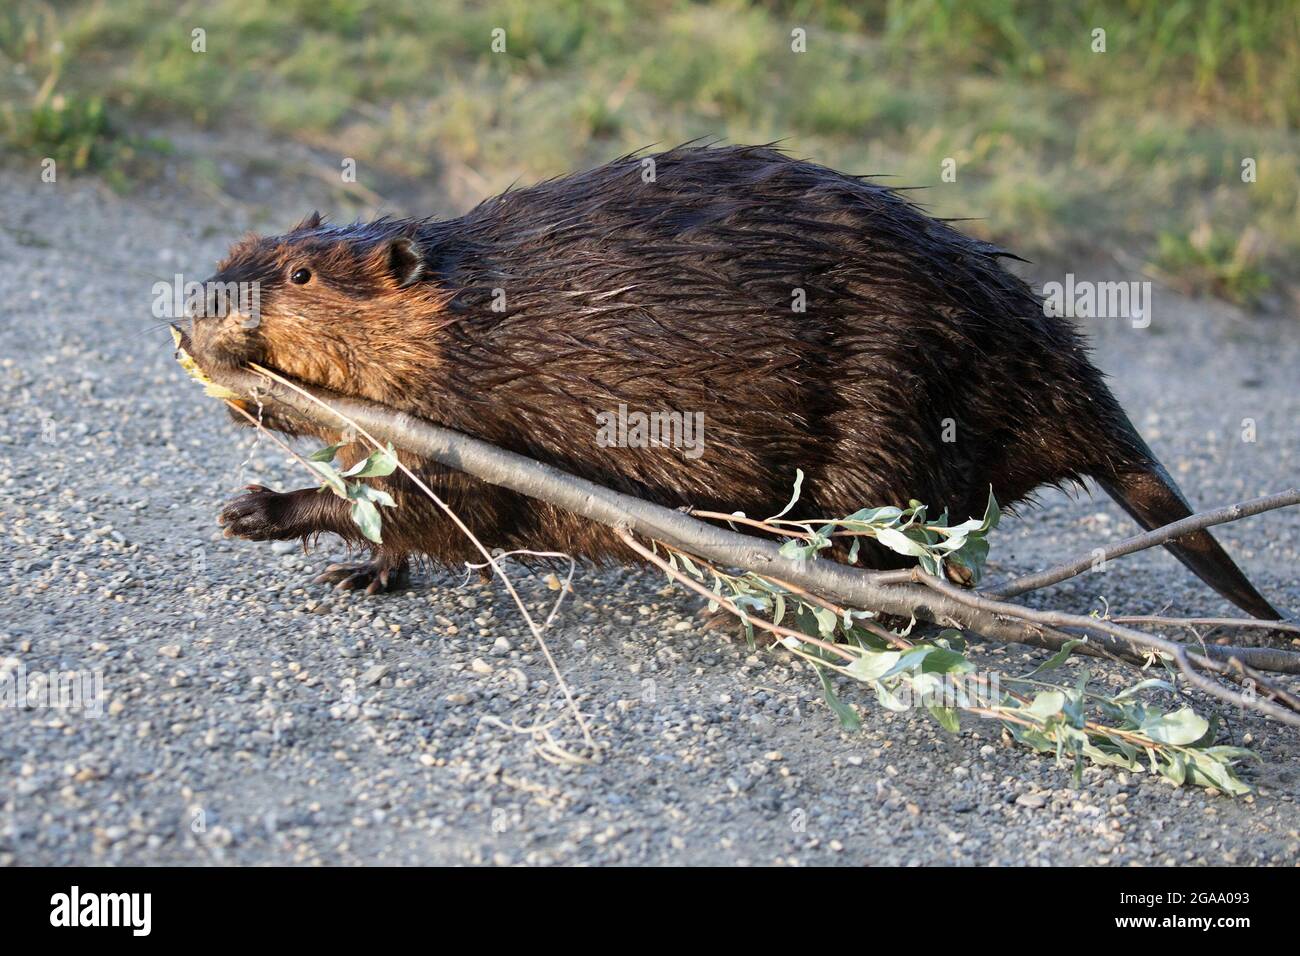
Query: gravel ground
[(251, 717)]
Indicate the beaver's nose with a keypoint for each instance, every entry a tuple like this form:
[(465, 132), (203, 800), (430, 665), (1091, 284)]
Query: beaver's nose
[(245, 320), (237, 305)]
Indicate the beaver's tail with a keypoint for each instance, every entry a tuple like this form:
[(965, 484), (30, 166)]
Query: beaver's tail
[(1148, 493)]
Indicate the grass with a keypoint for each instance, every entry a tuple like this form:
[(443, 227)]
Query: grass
[(1058, 148)]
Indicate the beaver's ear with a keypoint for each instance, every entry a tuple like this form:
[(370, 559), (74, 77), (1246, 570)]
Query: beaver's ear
[(403, 261)]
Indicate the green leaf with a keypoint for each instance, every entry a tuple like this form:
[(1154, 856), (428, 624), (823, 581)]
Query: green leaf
[(952, 638), (992, 513), (897, 541), (380, 497), (887, 698), (325, 454), (379, 464), (363, 491), (1208, 772), (1030, 737), (941, 660), (1148, 684), (1123, 746), (963, 529), (1049, 703), (806, 621), (749, 632), (798, 549), (754, 602), (330, 477), (1175, 769), (972, 556), (798, 483), (849, 719), (366, 517), (866, 638), (1057, 659), (1179, 729), (872, 666), (911, 659), (1109, 756), (1224, 752), (947, 718), (929, 659), (1076, 702), (826, 621), (873, 516)]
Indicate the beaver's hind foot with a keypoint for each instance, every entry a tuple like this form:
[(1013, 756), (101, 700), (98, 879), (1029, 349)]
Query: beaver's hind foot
[(379, 576)]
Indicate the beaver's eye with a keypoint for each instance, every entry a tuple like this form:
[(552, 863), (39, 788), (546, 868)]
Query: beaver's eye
[(301, 276)]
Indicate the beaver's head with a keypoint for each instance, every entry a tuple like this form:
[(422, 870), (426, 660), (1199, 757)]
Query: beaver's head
[(351, 308)]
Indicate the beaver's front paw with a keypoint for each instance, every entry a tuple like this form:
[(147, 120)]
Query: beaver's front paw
[(258, 516)]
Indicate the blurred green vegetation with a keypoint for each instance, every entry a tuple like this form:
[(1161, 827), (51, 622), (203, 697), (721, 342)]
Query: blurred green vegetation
[(1058, 149)]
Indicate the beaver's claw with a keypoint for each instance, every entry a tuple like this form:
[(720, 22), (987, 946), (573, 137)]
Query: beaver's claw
[(375, 577)]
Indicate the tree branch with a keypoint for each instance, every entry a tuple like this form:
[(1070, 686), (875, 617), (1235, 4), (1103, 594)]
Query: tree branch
[(904, 594), (1148, 539), (1191, 622)]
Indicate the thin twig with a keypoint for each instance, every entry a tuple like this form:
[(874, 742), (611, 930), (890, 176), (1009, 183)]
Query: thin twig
[(1243, 622), (262, 429), (566, 587), (751, 522), (1148, 539)]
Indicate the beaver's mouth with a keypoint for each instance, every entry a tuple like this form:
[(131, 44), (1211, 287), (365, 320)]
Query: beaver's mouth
[(212, 361), (198, 365), (204, 367), (213, 346), (207, 370)]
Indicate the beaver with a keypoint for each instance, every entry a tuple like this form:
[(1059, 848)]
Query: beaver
[(816, 320)]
